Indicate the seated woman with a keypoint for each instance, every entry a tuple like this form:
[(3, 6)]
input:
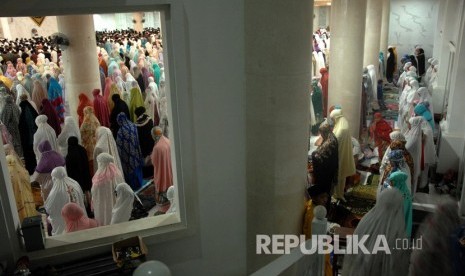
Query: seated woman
[(380, 130), (75, 219), (386, 219)]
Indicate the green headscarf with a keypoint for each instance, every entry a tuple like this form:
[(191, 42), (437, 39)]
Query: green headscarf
[(398, 180)]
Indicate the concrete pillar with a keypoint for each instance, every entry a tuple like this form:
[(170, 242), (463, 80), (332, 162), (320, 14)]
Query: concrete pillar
[(80, 58), (346, 63), (386, 10), (372, 33), (278, 62), (6, 28), (138, 25)]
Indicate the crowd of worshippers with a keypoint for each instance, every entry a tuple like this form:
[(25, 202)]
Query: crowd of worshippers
[(404, 155), (90, 165)]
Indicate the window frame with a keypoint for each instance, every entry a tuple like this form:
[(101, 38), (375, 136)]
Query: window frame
[(180, 110)]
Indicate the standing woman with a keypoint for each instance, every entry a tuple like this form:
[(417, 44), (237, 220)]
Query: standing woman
[(38, 94), (346, 162), (55, 95), (70, 129), (27, 127), (44, 132), (10, 118), (21, 188), (52, 117), (106, 143), (84, 102), (127, 141), (49, 160), (88, 129), (124, 203), (77, 166), (398, 180), (101, 108), (390, 65)]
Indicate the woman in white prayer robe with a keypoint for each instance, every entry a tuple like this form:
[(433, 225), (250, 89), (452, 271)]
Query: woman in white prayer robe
[(22, 91), (106, 144), (420, 136), (44, 132), (103, 186), (64, 190), (124, 203), (386, 220), (69, 129)]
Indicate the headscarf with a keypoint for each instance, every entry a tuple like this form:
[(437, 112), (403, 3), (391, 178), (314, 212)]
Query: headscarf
[(49, 158), (398, 179), (422, 110), (74, 218), (136, 101), (64, 190), (52, 117), (38, 94), (124, 203), (112, 91), (84, 102), (341, 130), (127, 141), (10, 117), (106, 143), (103, 185), (88, 129), (436, 231), (101, 108), (120, 106), (55, 95), (21, 188), (22, 91), (151, 104), (144, 126), (106, 92), (69, 129), (77, 164), (6, 136), (386, 218)]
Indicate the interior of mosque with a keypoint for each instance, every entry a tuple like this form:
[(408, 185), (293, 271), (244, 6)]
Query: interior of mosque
[(176, 60)]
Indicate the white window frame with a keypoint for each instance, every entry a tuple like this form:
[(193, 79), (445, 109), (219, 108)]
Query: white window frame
[(180, 99)]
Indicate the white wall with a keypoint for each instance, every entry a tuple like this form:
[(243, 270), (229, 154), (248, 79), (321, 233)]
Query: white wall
[(215, 94), (124, 20), (20, 27), (413, 22)]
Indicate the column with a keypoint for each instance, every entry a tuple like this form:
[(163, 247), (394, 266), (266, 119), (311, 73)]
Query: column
[(138, 25), (6, 28), (385, 28), (346, 62), (372, 33), (278, 63), (80, 60)]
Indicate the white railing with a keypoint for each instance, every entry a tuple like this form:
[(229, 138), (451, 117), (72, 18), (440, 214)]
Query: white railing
[(297, 263)]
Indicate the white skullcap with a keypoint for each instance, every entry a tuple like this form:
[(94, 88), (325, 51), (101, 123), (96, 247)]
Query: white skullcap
[(435, 62), (397, 136), (336, 113), (170, 193)]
